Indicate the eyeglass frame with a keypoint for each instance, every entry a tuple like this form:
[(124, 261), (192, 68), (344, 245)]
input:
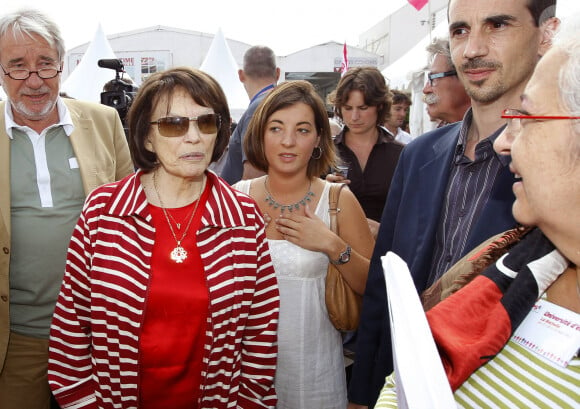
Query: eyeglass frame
[(431, 77), (37, 72), (190, 119), (508, 113)]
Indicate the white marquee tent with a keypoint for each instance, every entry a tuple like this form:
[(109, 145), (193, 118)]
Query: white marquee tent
[(220, 64), (87, 79)]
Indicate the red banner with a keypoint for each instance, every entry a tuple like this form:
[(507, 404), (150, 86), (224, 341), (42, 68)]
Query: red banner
[(344, 66)]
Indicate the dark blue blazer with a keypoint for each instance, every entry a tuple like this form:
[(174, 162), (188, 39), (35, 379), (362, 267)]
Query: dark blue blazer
[(408, 228)]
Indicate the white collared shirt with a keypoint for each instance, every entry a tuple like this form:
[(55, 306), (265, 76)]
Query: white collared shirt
[(401, 136), (38, 144)]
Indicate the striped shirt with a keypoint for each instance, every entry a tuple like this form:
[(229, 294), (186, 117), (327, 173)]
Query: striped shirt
[(514, 378), (519, 378), (468, 190), (94, 342)]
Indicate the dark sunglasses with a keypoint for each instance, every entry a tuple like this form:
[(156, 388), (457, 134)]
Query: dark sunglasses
[(173, 126)]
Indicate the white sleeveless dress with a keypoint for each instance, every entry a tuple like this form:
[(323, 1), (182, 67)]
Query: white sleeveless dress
[(310, 368)]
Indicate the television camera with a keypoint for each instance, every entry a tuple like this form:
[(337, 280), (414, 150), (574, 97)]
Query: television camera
[(117, 93)]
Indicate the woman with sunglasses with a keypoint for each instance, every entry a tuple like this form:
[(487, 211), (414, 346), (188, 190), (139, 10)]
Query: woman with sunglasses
[(289, 139), (169, 297)]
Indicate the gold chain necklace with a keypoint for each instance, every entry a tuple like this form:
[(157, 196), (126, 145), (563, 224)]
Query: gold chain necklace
[(178, 225), (178, 254)]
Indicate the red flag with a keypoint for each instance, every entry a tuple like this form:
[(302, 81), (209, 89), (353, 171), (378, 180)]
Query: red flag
[(418, 4), (344, 65)]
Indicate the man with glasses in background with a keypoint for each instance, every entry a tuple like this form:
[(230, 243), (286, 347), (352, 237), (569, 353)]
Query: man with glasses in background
[(450, 190), (53, 152), (443, 92)]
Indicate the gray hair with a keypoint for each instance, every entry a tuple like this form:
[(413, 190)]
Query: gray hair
[(29, 22), (568, 41), (440, 46), (260, 62)]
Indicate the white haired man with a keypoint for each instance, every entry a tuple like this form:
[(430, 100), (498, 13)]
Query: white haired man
[(53, 151)]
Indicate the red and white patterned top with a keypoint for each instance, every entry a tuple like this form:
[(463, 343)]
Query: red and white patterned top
[(94, 342)]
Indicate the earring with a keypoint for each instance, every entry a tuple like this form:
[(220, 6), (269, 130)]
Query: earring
[(319, 155)]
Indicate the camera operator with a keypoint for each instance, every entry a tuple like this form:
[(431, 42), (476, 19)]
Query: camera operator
[(118, 92)]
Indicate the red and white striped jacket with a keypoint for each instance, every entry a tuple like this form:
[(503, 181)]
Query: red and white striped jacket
[(94, 339)]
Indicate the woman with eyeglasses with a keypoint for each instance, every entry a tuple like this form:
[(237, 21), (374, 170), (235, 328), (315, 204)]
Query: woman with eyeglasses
[(169, 297), (506, 318), (289, 139)]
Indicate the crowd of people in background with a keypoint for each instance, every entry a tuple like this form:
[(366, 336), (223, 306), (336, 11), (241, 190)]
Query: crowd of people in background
[(182, 262)]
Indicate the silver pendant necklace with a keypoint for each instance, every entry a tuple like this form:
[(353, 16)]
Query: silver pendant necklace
[(290, 207), (178, 254)]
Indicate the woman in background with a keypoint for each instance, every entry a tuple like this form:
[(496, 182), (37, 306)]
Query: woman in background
[(362, 102), (289, 139)]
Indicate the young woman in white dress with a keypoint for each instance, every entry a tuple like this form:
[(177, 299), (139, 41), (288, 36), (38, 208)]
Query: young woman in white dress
[(289, 139)]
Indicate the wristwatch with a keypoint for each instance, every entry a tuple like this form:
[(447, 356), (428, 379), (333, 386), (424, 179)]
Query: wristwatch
[(344, 257)]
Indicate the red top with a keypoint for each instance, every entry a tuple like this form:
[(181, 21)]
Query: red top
[(172, 341), (94, 351)]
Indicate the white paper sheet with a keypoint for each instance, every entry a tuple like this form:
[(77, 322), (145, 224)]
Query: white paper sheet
[(420, 377)]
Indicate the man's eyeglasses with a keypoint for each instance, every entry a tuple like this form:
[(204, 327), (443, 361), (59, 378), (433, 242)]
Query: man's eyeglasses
[(514, 118), (174, 126), (433, 77), (23, 73)]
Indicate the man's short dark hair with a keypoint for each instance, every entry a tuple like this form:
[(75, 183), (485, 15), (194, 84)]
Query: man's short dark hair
[(542, 10), (400, 97)]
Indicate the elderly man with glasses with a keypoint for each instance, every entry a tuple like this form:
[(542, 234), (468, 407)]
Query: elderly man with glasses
[(53, 152), (443, 93)]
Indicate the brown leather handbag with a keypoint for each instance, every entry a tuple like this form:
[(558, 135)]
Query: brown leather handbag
[(342, 303)]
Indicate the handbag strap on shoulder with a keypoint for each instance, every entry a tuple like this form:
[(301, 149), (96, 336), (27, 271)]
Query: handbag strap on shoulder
[(333, 209)]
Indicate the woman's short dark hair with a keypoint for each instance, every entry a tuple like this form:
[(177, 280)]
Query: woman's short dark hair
[(204, 90), (371, 83), (283, 96)]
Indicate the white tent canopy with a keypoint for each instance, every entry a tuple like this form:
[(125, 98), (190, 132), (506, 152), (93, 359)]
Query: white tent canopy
[(220, 64), (401, 71), (87, 80)]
